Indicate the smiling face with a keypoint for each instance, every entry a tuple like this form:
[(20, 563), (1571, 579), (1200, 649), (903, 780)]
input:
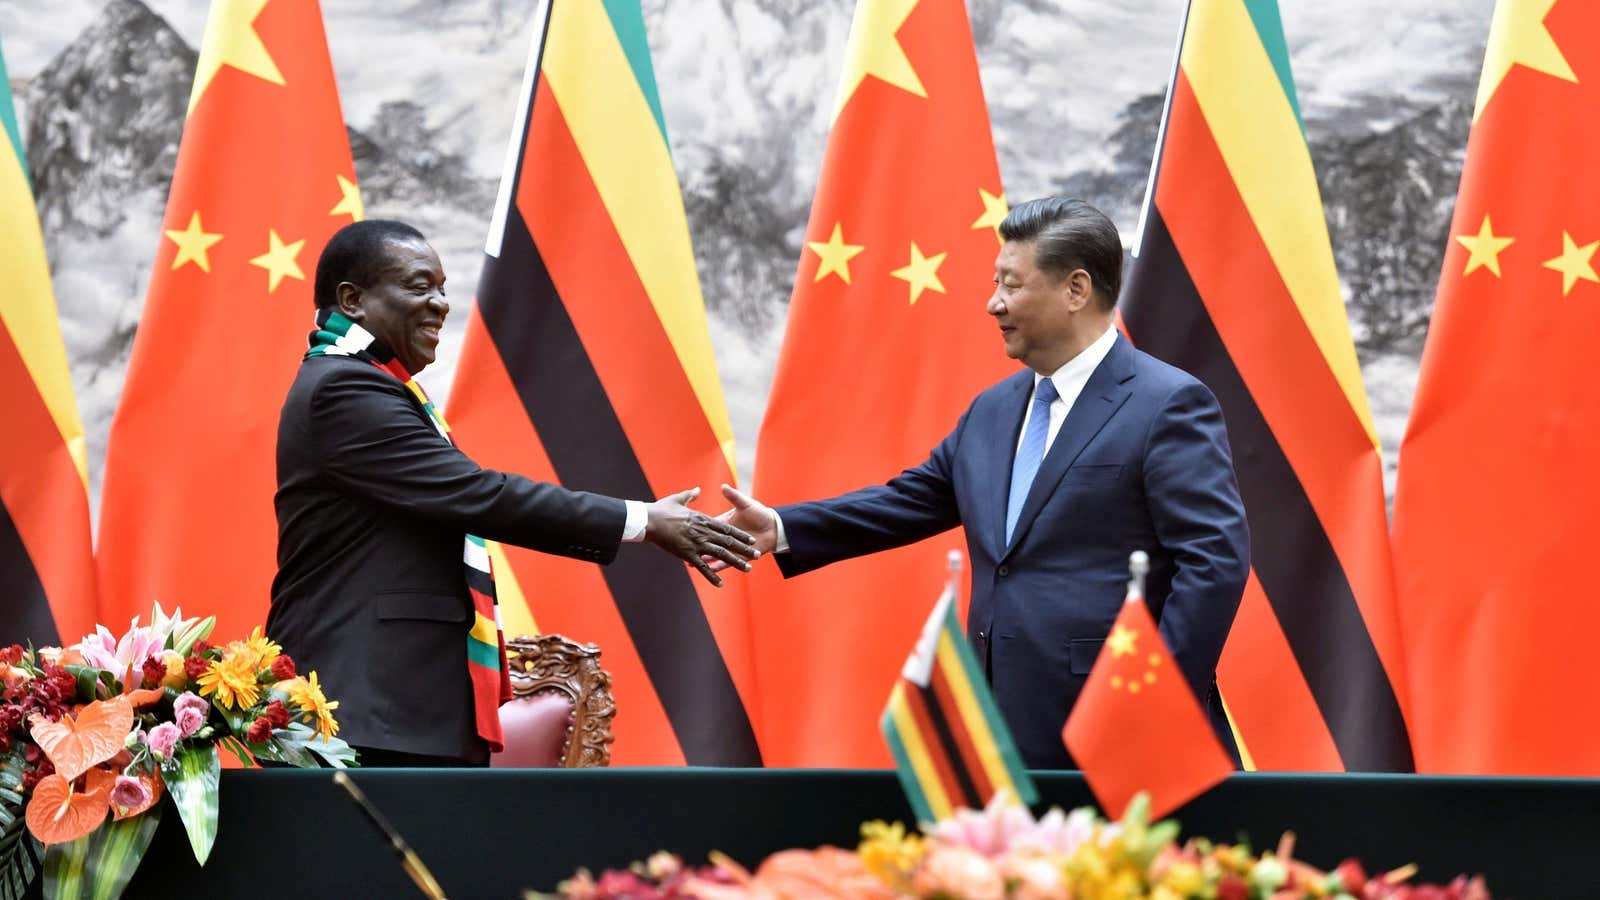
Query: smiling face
[(404, 306), (1038, 313)]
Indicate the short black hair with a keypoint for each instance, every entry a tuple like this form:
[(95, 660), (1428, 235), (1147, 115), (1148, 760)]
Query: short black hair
[(1068, 234), (356, 254)]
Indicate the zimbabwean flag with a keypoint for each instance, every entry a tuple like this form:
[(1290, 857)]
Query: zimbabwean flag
[(1234, 281), (588, 362), (46, 569)]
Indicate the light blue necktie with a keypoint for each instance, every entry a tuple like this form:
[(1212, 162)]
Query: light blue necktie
[(1030, 453)]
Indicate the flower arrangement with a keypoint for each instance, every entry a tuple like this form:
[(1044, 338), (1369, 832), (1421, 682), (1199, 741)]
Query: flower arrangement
[(1004, 853), (93, 736)]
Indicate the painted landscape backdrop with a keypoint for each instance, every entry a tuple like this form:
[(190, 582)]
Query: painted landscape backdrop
[(429, 89)]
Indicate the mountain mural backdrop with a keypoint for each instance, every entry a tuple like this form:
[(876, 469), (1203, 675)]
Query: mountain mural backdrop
[(429, 88)]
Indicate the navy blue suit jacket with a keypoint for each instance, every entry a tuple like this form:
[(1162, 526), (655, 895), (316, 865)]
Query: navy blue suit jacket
[(1141, 463)]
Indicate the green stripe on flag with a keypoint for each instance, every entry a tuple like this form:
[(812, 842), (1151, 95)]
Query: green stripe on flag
[(8, 114), (915, 795), (627, 20), (483, 654), (969, 672), (1269, 27)]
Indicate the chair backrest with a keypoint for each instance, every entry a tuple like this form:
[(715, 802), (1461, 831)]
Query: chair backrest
[(550, 664)]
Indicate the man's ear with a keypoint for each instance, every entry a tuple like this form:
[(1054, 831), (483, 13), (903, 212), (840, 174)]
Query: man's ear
[(1080, 289), (347, 298)]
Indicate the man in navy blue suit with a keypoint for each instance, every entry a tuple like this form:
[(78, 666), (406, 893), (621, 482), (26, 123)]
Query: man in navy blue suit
[(1058, 473)]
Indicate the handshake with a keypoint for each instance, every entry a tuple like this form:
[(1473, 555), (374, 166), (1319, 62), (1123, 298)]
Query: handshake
[(712, 544)]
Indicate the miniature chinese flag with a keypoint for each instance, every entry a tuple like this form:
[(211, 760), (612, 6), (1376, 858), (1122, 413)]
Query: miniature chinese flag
[(1137, 725)]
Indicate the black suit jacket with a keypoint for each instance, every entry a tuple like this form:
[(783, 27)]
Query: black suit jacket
[(373, 505), (1141, 463)]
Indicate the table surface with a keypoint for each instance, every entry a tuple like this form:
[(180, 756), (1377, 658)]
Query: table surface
[(495, 832)]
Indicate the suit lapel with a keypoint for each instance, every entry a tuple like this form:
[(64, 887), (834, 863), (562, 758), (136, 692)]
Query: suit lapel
[(1102, 396), (1001, 454)]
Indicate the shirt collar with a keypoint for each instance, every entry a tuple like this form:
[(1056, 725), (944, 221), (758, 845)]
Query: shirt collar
[(1080, 367)]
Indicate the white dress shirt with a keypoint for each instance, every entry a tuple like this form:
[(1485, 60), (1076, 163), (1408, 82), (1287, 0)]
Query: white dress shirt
[(638, 517), (1069, 381)]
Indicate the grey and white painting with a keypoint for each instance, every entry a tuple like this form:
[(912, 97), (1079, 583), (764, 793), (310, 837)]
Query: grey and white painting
[(429, 89)]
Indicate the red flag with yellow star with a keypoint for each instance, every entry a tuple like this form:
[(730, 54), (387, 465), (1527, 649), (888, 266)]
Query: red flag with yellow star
[(1137, 726), (1494, 514), (263, 179), (887, 343)]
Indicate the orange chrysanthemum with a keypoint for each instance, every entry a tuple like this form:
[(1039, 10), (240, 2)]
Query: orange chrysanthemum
[(232, 679), (306, 693)]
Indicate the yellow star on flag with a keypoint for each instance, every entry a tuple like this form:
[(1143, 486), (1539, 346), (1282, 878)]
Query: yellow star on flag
[(874, 50), (349, 202), (1485, 247), (1517, 35), (279, 260), (994, 212), (834, 255), (193, 242), (1122, 640), (231, 40), (1574, 262), (922, 272)]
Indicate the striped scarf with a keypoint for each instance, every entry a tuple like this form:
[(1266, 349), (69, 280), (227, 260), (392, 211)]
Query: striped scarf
[(336, 335)]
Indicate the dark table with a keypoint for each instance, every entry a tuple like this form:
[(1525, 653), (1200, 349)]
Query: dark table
[(290, 834)]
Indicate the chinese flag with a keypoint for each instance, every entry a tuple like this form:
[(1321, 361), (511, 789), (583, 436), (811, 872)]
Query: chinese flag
[(1495, 526), (1137, 725), (263, 179), (887, 343)]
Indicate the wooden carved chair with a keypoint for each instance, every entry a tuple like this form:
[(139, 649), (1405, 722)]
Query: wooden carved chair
[(561, 713)]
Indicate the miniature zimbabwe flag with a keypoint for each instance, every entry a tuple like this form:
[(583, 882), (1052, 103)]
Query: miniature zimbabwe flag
[(949, 743)]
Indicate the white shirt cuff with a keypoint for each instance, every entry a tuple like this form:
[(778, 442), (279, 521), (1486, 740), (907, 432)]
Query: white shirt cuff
[(638, 517), (783, 539)]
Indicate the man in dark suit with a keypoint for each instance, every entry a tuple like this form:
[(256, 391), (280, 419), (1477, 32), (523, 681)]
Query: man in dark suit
[(374, 503), (1057, 474)]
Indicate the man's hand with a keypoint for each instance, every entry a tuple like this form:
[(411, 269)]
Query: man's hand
[(751, 516), (696, 538)]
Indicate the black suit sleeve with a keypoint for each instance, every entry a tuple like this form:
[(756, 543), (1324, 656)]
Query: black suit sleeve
[(916, 504), (374, 442), (1199, 519)]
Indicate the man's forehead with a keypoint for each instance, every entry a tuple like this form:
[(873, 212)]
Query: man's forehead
[(1014, 255), (403, 256)]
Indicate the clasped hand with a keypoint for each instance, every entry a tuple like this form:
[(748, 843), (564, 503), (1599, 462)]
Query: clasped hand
[(708, 544)]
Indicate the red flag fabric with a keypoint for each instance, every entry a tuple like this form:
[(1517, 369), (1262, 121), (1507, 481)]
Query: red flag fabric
[(1137, 725), (1494, 518), (263, 179), (887, 343)]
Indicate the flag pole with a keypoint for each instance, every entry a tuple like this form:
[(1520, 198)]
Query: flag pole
[(1161, 134), (952, 561), (1138, 568)]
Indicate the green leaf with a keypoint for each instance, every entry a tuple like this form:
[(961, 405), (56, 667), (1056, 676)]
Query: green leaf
[(19, 852), (89, 681), (99, 865), (335, 751), (296, 744), (193, 777)]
